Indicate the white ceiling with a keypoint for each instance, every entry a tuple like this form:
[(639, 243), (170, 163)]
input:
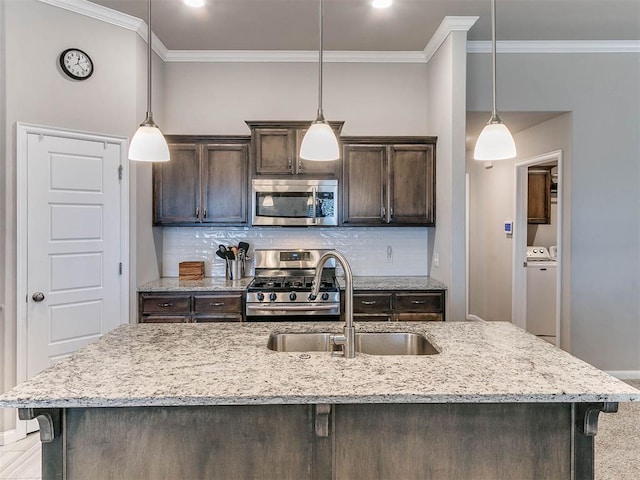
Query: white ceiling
[(353, 25)]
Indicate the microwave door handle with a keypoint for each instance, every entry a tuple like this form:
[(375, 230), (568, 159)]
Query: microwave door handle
[(314, 192)]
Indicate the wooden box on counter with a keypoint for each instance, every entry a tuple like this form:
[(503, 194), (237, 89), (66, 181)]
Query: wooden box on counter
[(191, 270)]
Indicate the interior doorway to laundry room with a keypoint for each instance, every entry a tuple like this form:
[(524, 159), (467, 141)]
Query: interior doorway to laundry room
[(537, 253)]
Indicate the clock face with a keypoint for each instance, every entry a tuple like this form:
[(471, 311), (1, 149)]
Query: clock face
[(76, 64)]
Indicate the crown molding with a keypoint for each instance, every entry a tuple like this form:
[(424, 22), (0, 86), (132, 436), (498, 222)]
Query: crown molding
[(113, 17), (557, 46), (292, 56), (448, 25), (93, 10)]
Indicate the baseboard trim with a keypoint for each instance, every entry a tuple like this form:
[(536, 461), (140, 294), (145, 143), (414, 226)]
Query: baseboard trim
[(10, 436), (625, 374)]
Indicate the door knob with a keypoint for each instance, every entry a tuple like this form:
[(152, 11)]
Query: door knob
[(38, 297)]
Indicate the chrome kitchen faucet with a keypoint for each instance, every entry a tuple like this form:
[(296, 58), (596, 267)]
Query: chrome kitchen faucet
[(348, 339)]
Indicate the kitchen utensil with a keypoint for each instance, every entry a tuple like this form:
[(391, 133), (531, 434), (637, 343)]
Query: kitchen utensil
[(243, 246), (221, 254)]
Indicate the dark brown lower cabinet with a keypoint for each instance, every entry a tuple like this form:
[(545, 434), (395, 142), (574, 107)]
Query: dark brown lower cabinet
[(399, 306), (482, 441), (190, 307)]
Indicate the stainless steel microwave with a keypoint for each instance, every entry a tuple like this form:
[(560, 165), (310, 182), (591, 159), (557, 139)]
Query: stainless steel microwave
[(293, 202)]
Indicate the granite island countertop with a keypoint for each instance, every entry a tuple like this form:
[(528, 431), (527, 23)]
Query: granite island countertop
[(217, 284), (229, 364)]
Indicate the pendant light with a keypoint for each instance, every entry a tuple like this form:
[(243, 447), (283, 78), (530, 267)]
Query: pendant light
[(495, 141), (320, 142), (148, 143)]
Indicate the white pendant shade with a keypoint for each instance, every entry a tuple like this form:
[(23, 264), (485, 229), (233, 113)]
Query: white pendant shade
[(320, 143), (495, 143), (148, 145)]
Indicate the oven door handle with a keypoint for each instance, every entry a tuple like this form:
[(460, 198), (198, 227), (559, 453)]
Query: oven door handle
[(292, 308)]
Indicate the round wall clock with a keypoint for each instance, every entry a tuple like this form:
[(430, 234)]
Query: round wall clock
[(76, 64)]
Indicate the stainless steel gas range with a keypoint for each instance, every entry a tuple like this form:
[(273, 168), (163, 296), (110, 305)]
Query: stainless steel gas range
[(281, 288)]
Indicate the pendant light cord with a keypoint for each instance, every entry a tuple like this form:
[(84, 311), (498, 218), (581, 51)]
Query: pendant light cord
[(494, 112), (320, 112), (149, 114)]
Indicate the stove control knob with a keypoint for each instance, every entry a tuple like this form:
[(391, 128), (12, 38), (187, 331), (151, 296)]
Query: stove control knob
[(272, 296), (325, 296), (293, 296), (260, 296), (312, 297)]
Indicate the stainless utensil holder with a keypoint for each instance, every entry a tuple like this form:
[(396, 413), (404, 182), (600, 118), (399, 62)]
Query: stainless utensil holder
[(235, 269)]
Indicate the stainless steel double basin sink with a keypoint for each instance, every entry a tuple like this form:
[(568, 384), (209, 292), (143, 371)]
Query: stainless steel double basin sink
[(379, 343)]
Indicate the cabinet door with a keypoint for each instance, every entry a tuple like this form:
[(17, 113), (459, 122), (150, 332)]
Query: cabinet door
[(224, 183), (274, 150), (411, 185), (539, 197), (328, 169), (176, 186), (364, 184)]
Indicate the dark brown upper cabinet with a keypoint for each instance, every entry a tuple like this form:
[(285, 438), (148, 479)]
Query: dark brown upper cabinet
[(205, 182), (388, 181), (539, 196), (276, 148)]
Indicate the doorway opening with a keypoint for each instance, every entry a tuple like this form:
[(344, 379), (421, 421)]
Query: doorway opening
[(537, 252)]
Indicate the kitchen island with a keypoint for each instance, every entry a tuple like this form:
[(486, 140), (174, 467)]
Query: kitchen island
[(212, 401)]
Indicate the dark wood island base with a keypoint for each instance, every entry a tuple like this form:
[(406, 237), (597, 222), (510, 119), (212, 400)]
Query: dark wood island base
[(449, 441)]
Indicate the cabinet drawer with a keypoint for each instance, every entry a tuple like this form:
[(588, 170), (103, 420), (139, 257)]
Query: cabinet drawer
[(375, 303), (359, 317), (418, 317), (419, 302), (218, 303), (166, 304), (166, 319), (228, 317)]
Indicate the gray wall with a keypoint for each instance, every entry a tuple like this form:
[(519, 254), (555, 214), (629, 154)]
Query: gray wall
[(601, 91), (36, 92), (372, 99), (446, 113)]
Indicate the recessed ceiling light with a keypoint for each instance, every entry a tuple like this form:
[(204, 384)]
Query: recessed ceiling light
[(381, 3), (194, 3)]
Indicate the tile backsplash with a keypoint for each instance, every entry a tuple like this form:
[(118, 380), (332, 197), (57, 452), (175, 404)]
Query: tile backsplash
[(365, 247)]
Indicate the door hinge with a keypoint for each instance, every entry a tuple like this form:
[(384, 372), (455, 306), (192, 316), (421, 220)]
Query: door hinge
[(120, 268), (119, 172)]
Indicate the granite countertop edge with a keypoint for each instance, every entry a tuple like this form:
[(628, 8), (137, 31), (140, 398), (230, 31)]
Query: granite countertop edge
[(228, 364)]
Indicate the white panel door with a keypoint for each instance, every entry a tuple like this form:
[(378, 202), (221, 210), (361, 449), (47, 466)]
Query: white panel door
[(74, 243)]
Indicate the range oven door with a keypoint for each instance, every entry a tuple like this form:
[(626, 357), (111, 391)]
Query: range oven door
[(294, 202), (271, 310)]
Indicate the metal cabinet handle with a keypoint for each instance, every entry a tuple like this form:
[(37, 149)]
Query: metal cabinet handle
[(217, 304), (418, 302), (38, 297), (290, 165), (369, 302), (205, 213), (197, 212), (390, 212), (165, 305), (383, 212), (299, 166)]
